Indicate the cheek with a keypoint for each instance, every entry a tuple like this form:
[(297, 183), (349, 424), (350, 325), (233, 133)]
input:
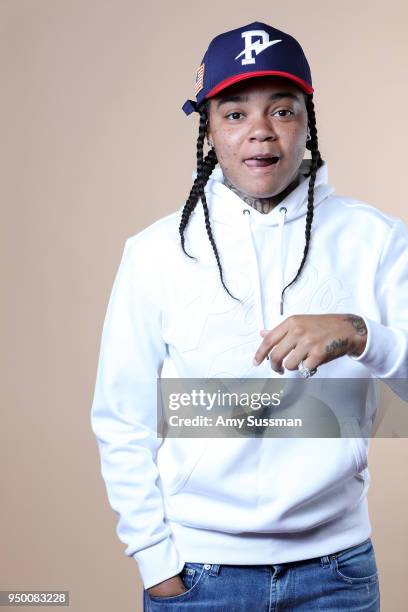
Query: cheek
[(227, 147), (296, 140)]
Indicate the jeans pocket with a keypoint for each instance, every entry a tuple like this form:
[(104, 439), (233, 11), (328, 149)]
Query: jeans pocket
[(356, 565), (192, 576)]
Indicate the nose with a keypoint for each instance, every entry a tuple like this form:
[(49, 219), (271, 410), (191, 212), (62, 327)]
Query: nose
[(262, 129)]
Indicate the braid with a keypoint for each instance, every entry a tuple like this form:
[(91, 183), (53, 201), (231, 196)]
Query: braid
[(202, 176), (204, 170), (317, 161)]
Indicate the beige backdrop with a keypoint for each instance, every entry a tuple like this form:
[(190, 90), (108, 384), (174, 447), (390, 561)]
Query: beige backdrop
[(95, 147)]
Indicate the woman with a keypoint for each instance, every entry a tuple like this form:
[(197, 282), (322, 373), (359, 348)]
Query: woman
[(251, 523)]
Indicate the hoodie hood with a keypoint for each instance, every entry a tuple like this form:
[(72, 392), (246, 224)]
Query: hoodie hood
[(228, 208)]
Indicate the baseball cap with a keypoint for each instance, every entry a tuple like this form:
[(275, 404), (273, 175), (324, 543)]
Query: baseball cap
[(253, 50)]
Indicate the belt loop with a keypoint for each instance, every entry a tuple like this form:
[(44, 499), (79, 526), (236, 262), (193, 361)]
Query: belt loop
[(215, 569), (325, 561)]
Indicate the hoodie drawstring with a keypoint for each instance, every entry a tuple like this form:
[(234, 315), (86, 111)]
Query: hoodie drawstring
[(258, 301), (247, 214), (282, 218)]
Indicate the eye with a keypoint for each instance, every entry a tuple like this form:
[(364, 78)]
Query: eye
[(284, 110), (233, 113)]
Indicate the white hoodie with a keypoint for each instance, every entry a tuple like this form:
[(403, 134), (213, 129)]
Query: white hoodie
[(252, 500)]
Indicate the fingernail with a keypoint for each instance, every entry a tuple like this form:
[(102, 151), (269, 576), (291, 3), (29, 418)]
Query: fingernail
[(254, 362)]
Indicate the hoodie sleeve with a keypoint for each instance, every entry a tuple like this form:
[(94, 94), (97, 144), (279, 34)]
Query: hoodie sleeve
[(124, 415), (386, 351)]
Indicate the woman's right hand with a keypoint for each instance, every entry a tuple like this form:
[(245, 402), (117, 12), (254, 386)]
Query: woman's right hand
[(168, 588)]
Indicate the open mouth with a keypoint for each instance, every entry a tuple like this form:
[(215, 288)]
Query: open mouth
[(261, 162)]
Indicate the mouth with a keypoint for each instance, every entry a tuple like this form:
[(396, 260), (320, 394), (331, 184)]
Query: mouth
[(262, 161)]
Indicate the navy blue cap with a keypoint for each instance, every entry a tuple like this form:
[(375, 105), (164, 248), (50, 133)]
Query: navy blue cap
[(256, 49)]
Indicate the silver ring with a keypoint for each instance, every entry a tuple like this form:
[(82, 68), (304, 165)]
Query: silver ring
[(305, 371)]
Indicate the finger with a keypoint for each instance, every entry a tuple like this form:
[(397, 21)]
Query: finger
[(279, 352), (263, 333), (309, 360), (271, 338)]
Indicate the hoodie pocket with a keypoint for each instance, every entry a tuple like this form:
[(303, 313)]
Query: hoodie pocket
[(200, 448), (270, 485)]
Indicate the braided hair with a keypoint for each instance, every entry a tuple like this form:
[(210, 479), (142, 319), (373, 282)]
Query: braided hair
[(205, 166)]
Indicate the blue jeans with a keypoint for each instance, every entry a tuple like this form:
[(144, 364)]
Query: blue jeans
[(345, 581)]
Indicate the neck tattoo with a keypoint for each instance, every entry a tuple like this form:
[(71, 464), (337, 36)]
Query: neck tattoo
[(263, 205)]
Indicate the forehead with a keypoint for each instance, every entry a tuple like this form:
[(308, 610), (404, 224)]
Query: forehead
[(259, 87)]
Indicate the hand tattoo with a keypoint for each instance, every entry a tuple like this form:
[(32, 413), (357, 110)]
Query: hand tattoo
[(336, 344)]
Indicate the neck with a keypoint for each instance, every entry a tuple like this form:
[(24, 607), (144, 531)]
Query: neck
[(263, 205)]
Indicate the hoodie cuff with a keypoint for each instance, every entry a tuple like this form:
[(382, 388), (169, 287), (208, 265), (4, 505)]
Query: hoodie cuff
[(158, 562), (382, 352)]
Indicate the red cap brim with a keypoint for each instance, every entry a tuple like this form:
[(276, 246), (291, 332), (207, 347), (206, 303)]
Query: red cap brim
[(248, 75)]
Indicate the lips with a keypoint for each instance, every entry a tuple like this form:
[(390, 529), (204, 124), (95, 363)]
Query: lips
[(260, 161)]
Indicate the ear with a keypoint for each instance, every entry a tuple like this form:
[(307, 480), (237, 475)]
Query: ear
[(209, 135)]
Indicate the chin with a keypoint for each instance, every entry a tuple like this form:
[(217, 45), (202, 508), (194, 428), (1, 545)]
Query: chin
[(263, 189)]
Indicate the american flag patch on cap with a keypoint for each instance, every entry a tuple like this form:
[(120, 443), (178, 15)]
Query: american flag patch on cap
[(199, 79)]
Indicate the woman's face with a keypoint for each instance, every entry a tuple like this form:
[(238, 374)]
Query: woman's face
[(259, 116)]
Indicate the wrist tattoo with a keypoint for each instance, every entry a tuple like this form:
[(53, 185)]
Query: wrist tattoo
[(357, 323), (359, 327)]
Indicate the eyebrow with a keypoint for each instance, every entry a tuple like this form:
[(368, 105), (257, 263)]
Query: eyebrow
[(272, 97)]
